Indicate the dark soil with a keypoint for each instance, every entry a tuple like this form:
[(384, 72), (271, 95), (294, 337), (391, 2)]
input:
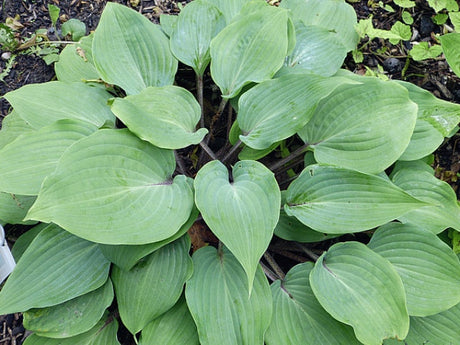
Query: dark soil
[(433, 75)]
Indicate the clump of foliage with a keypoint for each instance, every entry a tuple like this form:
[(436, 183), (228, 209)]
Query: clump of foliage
[(97, 158)]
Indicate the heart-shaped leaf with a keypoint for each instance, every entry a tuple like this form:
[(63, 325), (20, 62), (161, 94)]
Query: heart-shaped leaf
[(160, 275), (130, 51), (218, 298), (122, 193), (241, 213), (164, 116), (360, 288)]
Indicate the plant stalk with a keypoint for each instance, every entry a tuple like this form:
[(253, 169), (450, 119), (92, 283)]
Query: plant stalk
[(287, 159), (208, 150), (268, 272), (199, 96), (180, 163), (279, 272), (232, 151)]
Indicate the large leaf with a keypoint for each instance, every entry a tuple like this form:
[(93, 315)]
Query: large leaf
[(224, 311), (42, 104), (122, 193), (429, 269), (164, 116), (32, 156), (13, 208), (251, 49), (175, 327), (450, 46), (191, 37), (130, 51), (424, 141), (365, 127), (12, 127), (360, 288), (104, 333), (230, 8), (24, 241), (336, 201), (276, 109), (444, 211), (55, 268), (241, 213), (154, 285), (70, 318), (298, 318)]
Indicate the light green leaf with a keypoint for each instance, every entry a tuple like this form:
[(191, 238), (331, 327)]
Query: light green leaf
[(439, 5), (230, 8), (404, 3), (450, 46), (126, 256), (70, 318), (423, 51), (334, 15), (355, 127), (402, 30), (175, 327), (168, 22), (23, 170), (444, 211), (104, 333), (154, 285), (12, 127), (360, 288), (242, 213), (24, 241), (54, 13), (42, 104), (75, 28), (122, 193), (224, 310), (276, 109), (46, 274), (455, 20), (407, 18), (298, 318), (164, 116), (336, 200), (365, 28), (425, 139), (130, 51), (191, 37), (13, 208), (258, 42), (429, 269)]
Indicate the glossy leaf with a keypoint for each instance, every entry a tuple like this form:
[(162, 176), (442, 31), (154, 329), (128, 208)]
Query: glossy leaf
[(154, 285), (355, 127), (70, 318), (12, 127), (122, 193), (164, 116), (429, 269), (250, 49), (241, 213), (230, 314), (336, 201), (71, 265), (450, 43), (175, 327), (191, 36), (42, 104), (23, 170), (276, 109), (298, 318), (13, 208), (360, 288), (130, 51)]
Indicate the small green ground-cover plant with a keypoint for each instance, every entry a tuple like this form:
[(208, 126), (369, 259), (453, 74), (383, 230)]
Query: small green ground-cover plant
[(114, 204)]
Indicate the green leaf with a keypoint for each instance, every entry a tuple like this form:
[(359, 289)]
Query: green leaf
[(54, 13), (423, 51), (334, 15), (444, 211), (198, 23), (360, 288), (46, 274), (104, 333), (70, 318), (42, 104), (425, 139), (298, 318), (405, 3), (126, 256), (402, 30), (407, 18), (276, 109), (355, 127), (336, 200), (224, 310), (160, 275), (439, 5), (24, 170), (130, 51), (13, 208), (122, 193), (164, 329), (429, 269), (450, 46), (230, 8), (24, 241), (258, 42), (455, 20), (365, 27), (242, 213), (164, 116), (74, 27), (12, 127), (168, 22)]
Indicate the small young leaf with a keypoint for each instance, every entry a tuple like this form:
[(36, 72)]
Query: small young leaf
[(54, 13), (423, 51), (405, 3), (74, 27), (407, 18)]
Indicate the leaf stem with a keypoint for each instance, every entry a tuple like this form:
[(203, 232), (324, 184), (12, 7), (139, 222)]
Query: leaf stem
[(180, 163), (287, 159), (279, 272), (199, 96), (307, 251), (216, 117), (268, 272), (232, 151), (208, 150)]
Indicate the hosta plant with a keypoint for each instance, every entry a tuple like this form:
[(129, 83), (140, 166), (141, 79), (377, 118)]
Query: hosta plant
[(153, 211)]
